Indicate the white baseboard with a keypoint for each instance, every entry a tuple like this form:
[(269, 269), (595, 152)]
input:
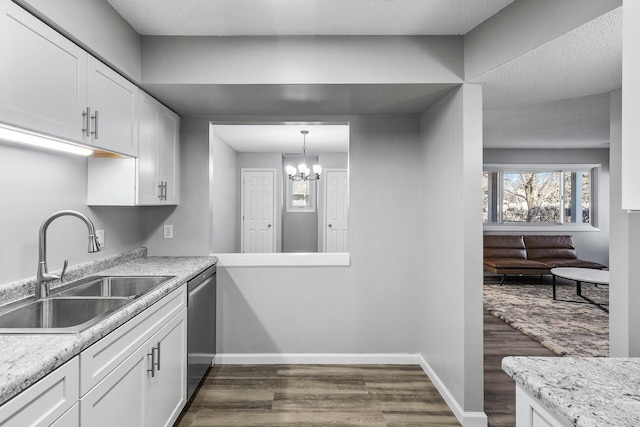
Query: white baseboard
[(316, 358), (467, 419)]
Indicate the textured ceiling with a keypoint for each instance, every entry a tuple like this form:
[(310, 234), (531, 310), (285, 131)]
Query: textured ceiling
[(309, 17), (284, 138), (585, 61), (569, 123)]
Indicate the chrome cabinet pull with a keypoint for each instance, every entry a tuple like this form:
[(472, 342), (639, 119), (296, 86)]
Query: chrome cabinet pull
[(155, 364), (94, 132), (330, 226), (163, 190), (158, 362), (85, 121)]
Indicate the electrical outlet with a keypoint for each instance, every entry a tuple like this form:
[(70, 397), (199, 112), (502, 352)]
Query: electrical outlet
[(100, 236), (168, 231)]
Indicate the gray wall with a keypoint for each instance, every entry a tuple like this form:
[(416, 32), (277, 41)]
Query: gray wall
[(624, 318), (225, 197), (95, 26), (590, 245), (38, 183), (451, 244), (356, 309)]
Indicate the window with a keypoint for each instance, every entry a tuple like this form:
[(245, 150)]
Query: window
[(534, 195), (301, 196)]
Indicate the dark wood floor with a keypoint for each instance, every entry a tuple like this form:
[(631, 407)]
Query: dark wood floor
[(502, 340), (346, 395), (317, 395)]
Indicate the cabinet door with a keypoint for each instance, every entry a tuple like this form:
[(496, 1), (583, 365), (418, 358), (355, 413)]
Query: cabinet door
[(149, 134), (114, 109), (42, 76), (167, 388), (169, 155), (119, 399), (71, 418)]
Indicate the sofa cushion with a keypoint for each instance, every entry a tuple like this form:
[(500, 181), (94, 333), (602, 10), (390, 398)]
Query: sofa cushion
[(515, 263), (550, 247), (504, 247), (564, 262)]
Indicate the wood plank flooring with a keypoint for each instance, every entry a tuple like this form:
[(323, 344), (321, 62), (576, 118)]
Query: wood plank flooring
[(348, 395), (317, 395), (502, 340)]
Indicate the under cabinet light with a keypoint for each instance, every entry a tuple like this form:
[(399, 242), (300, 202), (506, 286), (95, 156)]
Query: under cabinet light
[(21, 136)]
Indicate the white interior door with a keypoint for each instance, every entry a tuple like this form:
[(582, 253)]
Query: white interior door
[(337, 211), (258, 226)]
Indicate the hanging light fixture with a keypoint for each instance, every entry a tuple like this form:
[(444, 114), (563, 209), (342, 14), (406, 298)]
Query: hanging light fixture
[(303, 172)]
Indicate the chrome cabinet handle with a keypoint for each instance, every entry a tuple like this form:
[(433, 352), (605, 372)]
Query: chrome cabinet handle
[(158, 362), (85, 121), (154, 364), (330, 226), (163, 190), (94, 132), (268, 225)]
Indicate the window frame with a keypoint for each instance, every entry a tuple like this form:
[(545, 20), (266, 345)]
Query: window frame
[(543, 167)]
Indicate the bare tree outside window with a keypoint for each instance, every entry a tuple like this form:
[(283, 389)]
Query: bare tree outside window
[(533, 196)]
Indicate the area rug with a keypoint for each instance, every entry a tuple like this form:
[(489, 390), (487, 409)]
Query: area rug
[(567, 326)]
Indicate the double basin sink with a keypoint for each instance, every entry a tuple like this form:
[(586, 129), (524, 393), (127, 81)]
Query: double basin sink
[(76, 306)]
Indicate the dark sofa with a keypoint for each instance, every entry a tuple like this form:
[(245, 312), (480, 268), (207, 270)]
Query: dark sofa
[(531, 255)]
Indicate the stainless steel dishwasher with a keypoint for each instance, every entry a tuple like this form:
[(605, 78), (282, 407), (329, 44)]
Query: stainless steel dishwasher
[(201, 327)]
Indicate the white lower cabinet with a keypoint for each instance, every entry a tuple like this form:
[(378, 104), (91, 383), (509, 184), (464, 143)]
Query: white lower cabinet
[(135, 376), (148, 388), (71, 418), (45, 402), (529, 412)]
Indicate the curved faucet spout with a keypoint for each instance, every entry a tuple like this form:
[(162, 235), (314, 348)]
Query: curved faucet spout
[(43, 277)]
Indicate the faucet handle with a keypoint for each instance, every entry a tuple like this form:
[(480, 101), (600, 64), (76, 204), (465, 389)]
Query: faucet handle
[(64, 270)]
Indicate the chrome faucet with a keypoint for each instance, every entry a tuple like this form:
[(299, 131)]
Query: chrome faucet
[(43, 277)]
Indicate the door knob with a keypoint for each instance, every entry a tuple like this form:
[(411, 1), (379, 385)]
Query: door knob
[(330, 226), (268, 225)]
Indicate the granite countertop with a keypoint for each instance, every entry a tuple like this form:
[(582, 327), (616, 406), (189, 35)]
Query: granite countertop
[(24, 359), (586, 391)]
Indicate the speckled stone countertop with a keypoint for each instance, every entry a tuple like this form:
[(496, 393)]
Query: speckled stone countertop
[(24, 359), (586, 391)]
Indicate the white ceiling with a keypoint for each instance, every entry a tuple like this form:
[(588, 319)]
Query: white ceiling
[(568, 123), (284, 137), (309, 17), (585, 61)]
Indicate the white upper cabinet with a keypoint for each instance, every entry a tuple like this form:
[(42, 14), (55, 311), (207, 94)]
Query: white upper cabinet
[(158, 159), (50, 85), (113, 104), (42, 76), (153, 178)]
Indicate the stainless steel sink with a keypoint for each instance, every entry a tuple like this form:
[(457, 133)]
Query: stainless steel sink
[(111, 286), (58, 315), (77, 305)]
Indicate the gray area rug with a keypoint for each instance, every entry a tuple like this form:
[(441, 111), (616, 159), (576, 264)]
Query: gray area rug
[(568, 326)]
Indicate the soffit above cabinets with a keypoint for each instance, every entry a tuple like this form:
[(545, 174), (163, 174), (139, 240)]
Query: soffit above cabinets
[(309, 17)]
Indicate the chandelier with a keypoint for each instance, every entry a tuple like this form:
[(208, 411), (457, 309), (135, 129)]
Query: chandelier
[(303, 172)]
